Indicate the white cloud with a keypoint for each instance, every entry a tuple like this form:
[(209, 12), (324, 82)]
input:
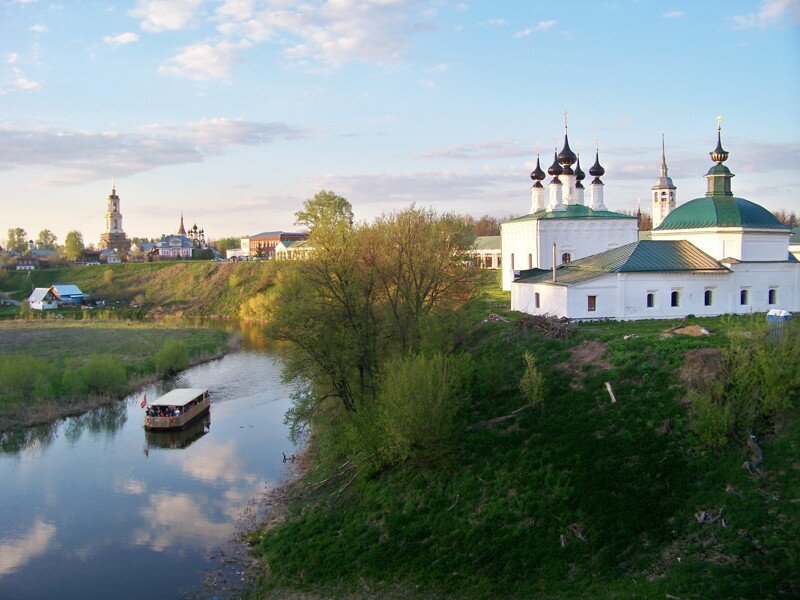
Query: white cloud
[(481, 151), (333, 32), (540, 26), (12, 58), (20, 81), (80, 156), (770, 13), (494, 22), (203, 61), (161, 15), (39, 28), (121, 39), (673, 14), (426, 83)]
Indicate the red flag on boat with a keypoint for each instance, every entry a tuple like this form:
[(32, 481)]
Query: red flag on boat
[(143, 403)]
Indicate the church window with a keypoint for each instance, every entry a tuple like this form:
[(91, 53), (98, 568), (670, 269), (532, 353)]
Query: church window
[(675, 298), (592, 304), (512, 262), (772, 296), (530, 261), (708, 298), (566, 257), (651, 300), (744, 297), (499, 261), (536, 301)]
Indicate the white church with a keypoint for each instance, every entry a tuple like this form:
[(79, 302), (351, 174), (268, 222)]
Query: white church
[(713, 255)]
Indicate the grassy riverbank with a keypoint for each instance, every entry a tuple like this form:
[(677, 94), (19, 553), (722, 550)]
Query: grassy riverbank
[(577, 496), (190, 288), (50, 368)]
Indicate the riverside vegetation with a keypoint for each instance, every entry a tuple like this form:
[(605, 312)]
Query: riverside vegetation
[(453, 455)]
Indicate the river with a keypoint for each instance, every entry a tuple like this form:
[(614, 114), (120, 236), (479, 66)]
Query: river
[(92, 507)]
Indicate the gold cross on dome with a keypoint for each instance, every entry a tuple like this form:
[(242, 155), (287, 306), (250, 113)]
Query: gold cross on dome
[(719, 122), (566, 114)]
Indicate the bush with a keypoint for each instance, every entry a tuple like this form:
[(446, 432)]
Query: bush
[(103, 375), (415, 413), (172, 357), (25, 378), (712, 420), (531, 383)]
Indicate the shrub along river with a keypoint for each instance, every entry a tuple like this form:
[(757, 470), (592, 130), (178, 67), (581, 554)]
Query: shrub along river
[(95, 507)]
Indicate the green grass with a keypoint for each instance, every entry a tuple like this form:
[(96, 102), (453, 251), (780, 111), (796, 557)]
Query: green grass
[(486, 520), (190, 288), (39, 358)]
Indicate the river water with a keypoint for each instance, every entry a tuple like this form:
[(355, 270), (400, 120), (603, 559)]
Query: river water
[(93, 507)]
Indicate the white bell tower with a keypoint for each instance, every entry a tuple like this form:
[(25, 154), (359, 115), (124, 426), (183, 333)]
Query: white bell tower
[(664, 192)]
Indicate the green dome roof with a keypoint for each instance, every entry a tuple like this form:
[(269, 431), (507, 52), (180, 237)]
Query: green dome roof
[(720, 211)]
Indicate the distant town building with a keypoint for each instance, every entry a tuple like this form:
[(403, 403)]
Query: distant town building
[(487, 251), (67, 293), (89, 257), (182, 244), (293, 250), (114, 237), (28, 263), (264, 244)]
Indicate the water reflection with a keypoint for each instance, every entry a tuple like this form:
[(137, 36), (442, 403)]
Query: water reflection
[(182, 438), (16, 552), (106, 420)]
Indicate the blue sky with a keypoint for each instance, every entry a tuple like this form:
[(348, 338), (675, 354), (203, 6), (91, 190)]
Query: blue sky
[(235, 111)]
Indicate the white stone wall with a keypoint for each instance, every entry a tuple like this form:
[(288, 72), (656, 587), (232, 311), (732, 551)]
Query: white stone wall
[(732, 242), (624, 295)]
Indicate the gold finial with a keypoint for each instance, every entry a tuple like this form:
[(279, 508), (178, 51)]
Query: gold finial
[(566, 114), (597, 144), (719, 122), (538, 148)]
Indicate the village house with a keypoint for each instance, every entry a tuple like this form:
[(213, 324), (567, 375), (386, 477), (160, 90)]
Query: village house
[(487, 251), (714, 255), (28, 263), (293, 250), (67, 293), (43, 299)]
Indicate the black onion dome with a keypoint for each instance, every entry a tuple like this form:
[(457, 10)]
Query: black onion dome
[(567, 157), (579, 174), (597, 169), (719, 155), (537, 174), (555, 169)]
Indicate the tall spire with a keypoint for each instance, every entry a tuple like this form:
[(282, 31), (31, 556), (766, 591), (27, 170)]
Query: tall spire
[(719, 176), (181, 229), (663, 158), (113, 187)]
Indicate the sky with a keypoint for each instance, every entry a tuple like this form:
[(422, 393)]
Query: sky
[(233, 112)]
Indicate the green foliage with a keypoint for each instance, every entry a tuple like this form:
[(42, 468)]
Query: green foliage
[(25, 378), (415, 412), (228, 243), (758, 377), (17, 240), (531, 384), (324, 210), (173, 357), (73, 245), (46, 239)]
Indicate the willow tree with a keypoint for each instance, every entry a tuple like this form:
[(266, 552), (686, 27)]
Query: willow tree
[(362, 296)]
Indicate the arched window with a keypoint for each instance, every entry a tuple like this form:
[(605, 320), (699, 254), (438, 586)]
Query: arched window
[(651, 300), (536, 299), (512, 262), (566, 257), (530, 261), (772, 296), (675, 298), (708, 298), (743, 297), (663, 195)]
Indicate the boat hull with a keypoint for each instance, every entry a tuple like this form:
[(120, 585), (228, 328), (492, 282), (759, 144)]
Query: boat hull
[(179, 422)]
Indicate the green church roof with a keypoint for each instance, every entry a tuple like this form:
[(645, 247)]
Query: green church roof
[(795, 237), (488, 242), (720, 211), (572, 211), (645, 256)]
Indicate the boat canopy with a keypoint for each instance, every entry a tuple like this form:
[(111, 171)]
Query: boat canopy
[(179, 397)]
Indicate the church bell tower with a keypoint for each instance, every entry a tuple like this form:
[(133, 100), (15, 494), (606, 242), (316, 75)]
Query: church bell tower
[(664, 195), (114, 237)]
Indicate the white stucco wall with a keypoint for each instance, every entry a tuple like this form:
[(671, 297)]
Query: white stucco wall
[(580, 238), (733, 242)]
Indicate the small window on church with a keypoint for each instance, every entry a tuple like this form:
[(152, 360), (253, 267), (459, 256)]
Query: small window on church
[(592, 303), (772, 296), (675, 298), (708, 298), (651, 300), (512, 262), (566, 257), (530, 261), (744, 298), (536, 302)]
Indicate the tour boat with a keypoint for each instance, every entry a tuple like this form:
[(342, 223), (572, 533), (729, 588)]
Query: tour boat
[(177, 408)]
